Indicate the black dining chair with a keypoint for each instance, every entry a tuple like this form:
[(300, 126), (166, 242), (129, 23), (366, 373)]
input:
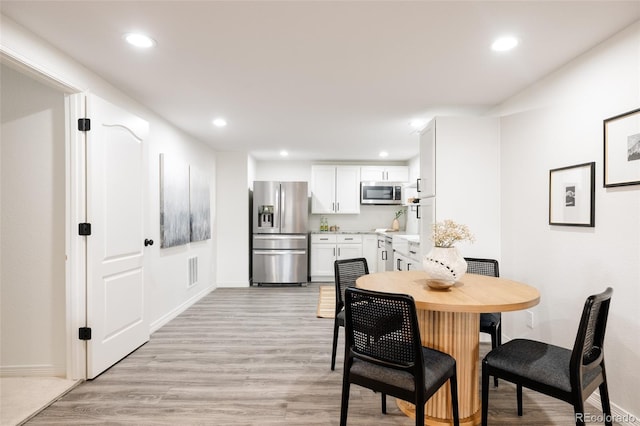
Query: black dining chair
[(568, 375), (394, 364), (347, 271), (490, 323)]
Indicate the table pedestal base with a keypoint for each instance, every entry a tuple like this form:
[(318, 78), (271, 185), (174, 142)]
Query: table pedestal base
[(410, 410), (455, 333)]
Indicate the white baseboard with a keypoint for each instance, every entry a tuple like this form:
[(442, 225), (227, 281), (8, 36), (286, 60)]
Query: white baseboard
[(156, 325), (36, 370), (236, 284), (618, 414)]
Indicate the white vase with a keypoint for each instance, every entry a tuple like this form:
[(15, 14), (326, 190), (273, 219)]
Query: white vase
[(445, 266)]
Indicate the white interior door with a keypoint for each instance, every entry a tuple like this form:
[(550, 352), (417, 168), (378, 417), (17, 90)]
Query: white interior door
[(115, 275)]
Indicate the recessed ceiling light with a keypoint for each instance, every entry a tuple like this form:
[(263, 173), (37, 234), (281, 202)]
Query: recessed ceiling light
[(383, 154), (503, 44), (219, 122), (284, 153), (139, 40)]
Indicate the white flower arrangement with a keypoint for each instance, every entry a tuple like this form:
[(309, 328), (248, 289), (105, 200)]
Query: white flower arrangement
[(447, 233)]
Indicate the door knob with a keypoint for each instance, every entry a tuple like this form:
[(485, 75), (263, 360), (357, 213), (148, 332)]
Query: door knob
[(148, 242)]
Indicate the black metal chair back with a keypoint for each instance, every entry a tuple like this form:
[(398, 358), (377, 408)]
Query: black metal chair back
[(588, 349), (346, 272), (398, 349), (488, 267), (490, 323)]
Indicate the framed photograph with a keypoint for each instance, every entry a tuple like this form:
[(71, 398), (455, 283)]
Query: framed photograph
[(622, 149), (572, 195)]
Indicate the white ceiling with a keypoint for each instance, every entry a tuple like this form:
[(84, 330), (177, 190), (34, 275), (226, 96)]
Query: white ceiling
[(325, 80)]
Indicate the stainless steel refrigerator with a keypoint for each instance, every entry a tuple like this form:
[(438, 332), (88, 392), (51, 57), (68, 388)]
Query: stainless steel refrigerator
[(280, 234)]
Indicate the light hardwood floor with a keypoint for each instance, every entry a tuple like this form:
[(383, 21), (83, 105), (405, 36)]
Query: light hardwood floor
[(252, 356)]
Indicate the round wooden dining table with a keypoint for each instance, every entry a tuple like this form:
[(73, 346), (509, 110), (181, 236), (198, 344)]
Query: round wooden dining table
[(450, 322)]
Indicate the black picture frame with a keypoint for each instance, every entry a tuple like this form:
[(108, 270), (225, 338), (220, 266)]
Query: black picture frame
[(621, 135), (572, 195)]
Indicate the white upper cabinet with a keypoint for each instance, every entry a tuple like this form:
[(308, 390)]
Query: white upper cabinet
[(384, 173), (427, 182), (335, 189), (323, 189)]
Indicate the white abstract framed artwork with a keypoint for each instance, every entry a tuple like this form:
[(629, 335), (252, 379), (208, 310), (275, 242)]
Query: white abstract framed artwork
[(200, 205), (174, 202)]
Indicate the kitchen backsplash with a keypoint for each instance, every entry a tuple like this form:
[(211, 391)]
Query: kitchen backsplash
[(370, 217)]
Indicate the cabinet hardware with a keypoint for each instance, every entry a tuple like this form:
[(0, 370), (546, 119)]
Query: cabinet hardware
[(84, 333)]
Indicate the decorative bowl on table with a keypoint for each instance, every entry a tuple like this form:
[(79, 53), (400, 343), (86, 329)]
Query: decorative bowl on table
[(440, 285)]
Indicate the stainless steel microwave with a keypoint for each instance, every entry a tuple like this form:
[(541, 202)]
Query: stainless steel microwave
[(380, 193)]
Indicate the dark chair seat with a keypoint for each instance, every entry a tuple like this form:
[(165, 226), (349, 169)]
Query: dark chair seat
[(568, 375), (440, 367), (533, 361)]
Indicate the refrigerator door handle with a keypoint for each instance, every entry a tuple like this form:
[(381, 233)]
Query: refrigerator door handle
[(278, 252), (279, 237), (281, 205)]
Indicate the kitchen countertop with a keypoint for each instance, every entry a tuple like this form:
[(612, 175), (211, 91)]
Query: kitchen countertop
[(342, 232), (372, 231)]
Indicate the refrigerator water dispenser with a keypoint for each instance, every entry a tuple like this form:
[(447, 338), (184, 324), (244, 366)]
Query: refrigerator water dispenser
[(265, 216)]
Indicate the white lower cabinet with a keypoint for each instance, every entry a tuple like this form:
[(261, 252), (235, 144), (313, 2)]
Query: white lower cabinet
[(406, 253), (405, 263), (327, 248), (370, 251)]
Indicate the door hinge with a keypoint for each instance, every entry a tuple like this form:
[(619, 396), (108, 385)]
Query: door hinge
[(84, 229), (84, 124), (84, 333)]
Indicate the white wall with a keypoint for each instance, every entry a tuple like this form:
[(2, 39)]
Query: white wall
[(32, 277), (556, 123), (468, 180), (232, 224), (166, 269)]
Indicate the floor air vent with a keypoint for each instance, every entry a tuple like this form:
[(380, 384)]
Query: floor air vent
[(193, 271)]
